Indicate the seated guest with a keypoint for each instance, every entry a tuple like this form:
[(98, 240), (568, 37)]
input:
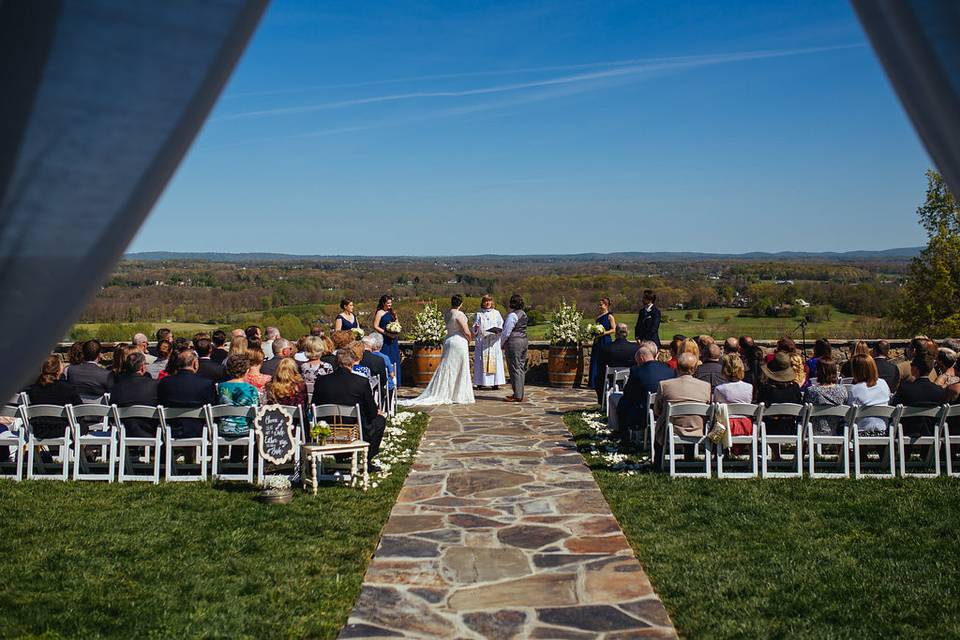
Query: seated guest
[(821, 349), (345, 388), (237, 392), (219, 353), (314, 367), (254, 376), (826, 392), (299, 355), (330, 351), (857, 348), (163, 351), (135, 387), (253, 333), (359, 368), (141, 342), (683, 388), (946, 367), (316, 331), (281, 349), (703, 342), (710, 370), (373, 362), (162, 335), (645, 378), (237, 333), (731, 345), (238, 346), (186, 390), (780, 386), (373, 342), (119, 354), (918, 346), (920, 392), (208, 368), (287, 386), (690, 346), (270, 334), (338, 340), (89, 379), (74, 355), (51, 389), (888, 371), (173, 363), (753, 358), (868, 390), (618, 353), (735, 391), (676, 344)]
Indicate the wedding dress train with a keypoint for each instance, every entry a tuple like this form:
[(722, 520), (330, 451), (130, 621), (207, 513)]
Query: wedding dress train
[(452, 381)]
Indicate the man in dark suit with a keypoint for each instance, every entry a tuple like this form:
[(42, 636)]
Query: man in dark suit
[(648, 321), (90, 379), (134, 387), (281, 349), (207, 368), (644, 379), (219, 353), (889, 372), (186, 389), (344, 387), (375, 363), (619, 353), (919, 392), (710, 369)]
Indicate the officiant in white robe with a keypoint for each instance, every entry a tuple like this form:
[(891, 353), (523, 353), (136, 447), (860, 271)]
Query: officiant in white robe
[(488, 354)]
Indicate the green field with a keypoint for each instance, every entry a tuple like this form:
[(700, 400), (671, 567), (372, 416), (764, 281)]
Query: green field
[(91, 560), (792, 558), (722, 323)]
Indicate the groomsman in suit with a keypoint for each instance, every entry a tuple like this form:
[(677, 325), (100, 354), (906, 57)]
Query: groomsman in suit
[(619, 353), (648, 322)]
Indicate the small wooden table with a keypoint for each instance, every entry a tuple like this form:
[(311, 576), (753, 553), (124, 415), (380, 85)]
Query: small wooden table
[(312, 453)]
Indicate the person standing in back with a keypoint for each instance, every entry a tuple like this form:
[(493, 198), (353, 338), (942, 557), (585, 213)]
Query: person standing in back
[(648, 321)]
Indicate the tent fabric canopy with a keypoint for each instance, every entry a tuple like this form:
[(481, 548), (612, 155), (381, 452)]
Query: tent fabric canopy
[(102, 99)]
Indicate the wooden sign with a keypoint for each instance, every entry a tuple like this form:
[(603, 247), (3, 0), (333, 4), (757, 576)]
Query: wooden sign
[(274, 427)]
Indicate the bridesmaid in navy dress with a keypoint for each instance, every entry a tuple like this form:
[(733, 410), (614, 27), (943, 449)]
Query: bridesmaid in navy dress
[(608, 322), (391, 342), (346, 320)]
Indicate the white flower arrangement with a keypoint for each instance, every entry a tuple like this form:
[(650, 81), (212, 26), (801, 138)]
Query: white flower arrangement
[(596, 330), (394, 327), (429, 329), (276, 483), (565, 326), (357, 333)]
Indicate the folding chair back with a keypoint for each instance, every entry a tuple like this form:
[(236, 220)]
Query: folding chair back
[(220, 440), (100, 434), (784, 409), (890, 415), (13, 436), (198, 443), (939, 415), (345, 421), (32, 412), (375, 388), (951, 438), (816, 441), (127, 465), (686, 409), (754, 412), (611, 377)]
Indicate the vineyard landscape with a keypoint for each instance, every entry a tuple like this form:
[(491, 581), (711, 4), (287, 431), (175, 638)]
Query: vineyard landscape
[(846, 295)]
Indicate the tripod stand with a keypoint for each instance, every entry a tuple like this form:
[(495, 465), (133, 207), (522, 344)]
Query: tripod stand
[(802, 325)]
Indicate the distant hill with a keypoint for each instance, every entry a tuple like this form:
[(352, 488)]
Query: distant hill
[(899, 254)]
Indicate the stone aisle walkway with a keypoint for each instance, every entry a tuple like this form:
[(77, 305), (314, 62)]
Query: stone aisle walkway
[(500, 531)]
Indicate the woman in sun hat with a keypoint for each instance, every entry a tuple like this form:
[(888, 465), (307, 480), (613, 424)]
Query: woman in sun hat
[(779, 386)]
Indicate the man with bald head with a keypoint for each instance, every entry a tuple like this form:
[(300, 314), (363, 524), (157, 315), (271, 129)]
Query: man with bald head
[(731, 345), (619, 353), (683, 388), (645, 378), (709, 369), (141, 342)]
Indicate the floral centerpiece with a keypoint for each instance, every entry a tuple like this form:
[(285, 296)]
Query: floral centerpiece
[(276, 490), (320, 431), (357, 333), (565, 334), (595, 330), (428, 334)]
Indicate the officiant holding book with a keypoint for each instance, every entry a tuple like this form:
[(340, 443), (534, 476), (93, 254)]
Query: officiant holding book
[(488, 354)]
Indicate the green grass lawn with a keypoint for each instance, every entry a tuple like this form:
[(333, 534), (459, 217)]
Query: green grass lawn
[(87, 560), (792, 558), (722, 323)]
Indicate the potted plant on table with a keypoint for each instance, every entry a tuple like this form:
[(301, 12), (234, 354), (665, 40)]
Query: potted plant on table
[(428, 333), (565, 334)]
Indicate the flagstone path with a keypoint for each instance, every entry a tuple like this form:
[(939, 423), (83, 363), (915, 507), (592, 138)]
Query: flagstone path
[(500, 531)]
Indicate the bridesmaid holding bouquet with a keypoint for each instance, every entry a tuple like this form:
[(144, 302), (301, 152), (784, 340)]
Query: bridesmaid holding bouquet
[(385, 317), (608, 324), (346, 320)]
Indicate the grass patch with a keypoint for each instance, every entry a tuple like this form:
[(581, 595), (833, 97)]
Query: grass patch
[(790, 558), (87, 560)]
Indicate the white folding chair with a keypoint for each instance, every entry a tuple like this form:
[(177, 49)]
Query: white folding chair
[(334, 414), (299, 427), (64, 442), (939, 414), (13, 438), (891, 417), (841, 440), (197, 443), (673, 439), (128, 465), (375, 388), (755, 413), (951, 438), (796, 411), (219, 440), (392, 393), (101, 434), (611, 376)]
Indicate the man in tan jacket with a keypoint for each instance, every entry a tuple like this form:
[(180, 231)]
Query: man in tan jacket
[(683, 388)]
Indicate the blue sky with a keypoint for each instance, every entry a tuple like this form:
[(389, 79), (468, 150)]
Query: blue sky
[(443, 128)]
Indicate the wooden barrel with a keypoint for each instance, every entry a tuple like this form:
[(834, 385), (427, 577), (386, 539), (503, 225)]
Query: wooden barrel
[(562, 366), (425, 363)]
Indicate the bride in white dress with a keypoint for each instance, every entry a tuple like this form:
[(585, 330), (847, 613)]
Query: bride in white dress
[(451, 383)]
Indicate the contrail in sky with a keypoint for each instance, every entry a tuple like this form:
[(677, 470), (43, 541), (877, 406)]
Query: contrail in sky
[(686, 62)]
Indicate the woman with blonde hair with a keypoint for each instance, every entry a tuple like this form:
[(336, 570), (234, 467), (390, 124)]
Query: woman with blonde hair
[(238, 346), (287, 386), (314, 348)]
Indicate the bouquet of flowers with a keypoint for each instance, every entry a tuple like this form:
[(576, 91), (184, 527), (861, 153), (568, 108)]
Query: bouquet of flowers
[(321, 431), (394, 327), (595, 330), (565, 326), (429, 329), (357, 333)]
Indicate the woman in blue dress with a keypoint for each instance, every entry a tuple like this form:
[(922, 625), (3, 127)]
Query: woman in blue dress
[(346, 320), (608, 322), (391, 341)]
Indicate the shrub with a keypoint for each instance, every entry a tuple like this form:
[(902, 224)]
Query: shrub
[(688, 316), (702, 314)]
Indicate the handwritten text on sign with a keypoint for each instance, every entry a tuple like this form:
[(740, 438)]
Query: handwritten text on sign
[(274, 427)]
